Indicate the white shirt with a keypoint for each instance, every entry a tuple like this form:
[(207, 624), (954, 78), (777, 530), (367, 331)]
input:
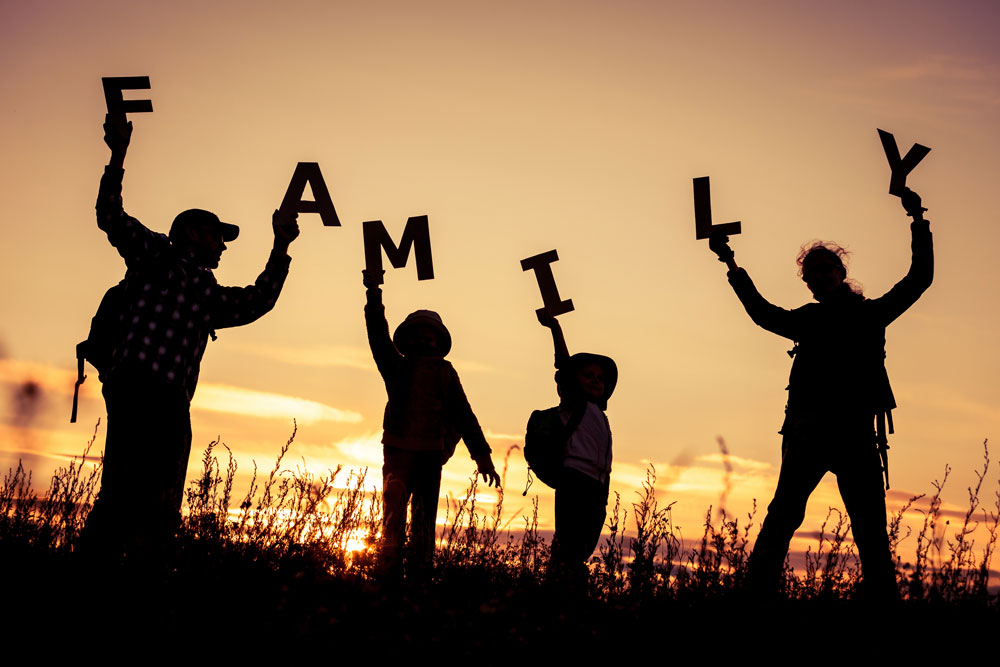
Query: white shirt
[(589, 447)]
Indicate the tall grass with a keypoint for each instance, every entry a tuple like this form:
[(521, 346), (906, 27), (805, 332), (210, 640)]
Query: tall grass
[(330, 524)]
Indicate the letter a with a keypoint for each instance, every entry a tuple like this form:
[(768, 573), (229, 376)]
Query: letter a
[(308, 172), (416, 237)]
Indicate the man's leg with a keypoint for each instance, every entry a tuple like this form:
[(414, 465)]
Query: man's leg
[(145, 461), (801, 470), (102, 538)]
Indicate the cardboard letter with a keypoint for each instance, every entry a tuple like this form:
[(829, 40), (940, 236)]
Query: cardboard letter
[(113, 87), (703, 227), (416, 237), (900, 168), (308, 172), (542, 266)]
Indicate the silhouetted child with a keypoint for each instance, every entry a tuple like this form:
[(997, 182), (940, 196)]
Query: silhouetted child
[(584, 382), (426, 415), (839, 399)]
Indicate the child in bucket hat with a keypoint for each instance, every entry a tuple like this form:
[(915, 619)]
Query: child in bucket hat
[(426, 415)]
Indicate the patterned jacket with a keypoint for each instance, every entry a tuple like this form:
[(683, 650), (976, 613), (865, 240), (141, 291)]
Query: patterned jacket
[(171, 304)]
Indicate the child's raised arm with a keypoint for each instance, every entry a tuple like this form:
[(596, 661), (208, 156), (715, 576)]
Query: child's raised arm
[(383, 351), (548, 320)]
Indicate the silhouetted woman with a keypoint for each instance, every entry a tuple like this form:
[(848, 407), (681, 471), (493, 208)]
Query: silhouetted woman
[(839, 399)]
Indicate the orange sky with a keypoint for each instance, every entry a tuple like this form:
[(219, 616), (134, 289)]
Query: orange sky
[(517, 129)]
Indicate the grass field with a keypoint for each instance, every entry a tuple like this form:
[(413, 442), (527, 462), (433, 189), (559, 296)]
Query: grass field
[(295, 558)]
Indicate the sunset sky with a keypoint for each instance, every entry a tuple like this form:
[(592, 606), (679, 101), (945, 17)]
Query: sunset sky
[(517, 128)]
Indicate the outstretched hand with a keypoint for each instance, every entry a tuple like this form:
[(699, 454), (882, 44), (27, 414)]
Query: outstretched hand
[(117, 133), (372, 278), (912, 204), (491, 477), (719, 244), (286, 228), (546, 318)]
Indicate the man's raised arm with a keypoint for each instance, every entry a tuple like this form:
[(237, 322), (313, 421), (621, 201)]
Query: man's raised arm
[(132, 240), (236, 306)]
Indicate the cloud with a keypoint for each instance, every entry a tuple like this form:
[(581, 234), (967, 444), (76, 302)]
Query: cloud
[(212, 397), (504, 437), (749, 465), (365, 450), (935, 66), (339, 356), (48, 378), (316, 356), (948, 399)]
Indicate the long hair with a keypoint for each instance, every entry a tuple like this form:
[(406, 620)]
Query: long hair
[(832, 252)]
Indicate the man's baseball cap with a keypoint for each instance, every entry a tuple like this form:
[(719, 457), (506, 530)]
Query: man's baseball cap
[(196, 217)]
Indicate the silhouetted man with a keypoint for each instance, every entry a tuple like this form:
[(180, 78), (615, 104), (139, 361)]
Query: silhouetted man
[(838, 399), (170, 303)]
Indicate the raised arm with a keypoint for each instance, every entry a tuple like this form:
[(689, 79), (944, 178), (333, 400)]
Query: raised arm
[(905, 293), (133, 241), (383, 350), (549, 321), (236, 306), (764, 314)]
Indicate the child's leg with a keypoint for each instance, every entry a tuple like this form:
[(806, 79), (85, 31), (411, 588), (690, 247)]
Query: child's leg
[(397, 473), (426, 494), (581, 507)]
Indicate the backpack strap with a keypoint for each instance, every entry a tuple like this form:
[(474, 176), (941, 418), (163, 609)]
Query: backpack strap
[(81, 354), (882, 440)]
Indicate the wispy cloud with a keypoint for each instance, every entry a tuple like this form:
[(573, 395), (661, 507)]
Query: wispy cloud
[(365, 449), (947, 399), (943, 86), (212, 397), (749, 465), (48, 377), (935, 66), (336, 356), (316, 356)]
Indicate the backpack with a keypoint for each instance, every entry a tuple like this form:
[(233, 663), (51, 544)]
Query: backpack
[(545, 443), (105, 330)]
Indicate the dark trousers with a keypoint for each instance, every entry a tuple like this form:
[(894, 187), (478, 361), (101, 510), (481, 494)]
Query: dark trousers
[(409, 478), (145, 462), (854, 459), (581, 507)]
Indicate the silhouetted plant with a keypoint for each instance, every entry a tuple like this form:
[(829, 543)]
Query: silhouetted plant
[(296, 519)]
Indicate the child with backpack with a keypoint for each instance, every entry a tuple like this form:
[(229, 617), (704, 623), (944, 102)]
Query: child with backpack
[(584, 382), (426, 415)]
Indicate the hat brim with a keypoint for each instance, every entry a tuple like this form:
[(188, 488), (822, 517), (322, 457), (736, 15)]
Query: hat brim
[(229, 231), (400, 336)]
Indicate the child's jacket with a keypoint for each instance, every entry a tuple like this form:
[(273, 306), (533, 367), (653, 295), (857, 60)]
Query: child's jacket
[(427, 408)]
